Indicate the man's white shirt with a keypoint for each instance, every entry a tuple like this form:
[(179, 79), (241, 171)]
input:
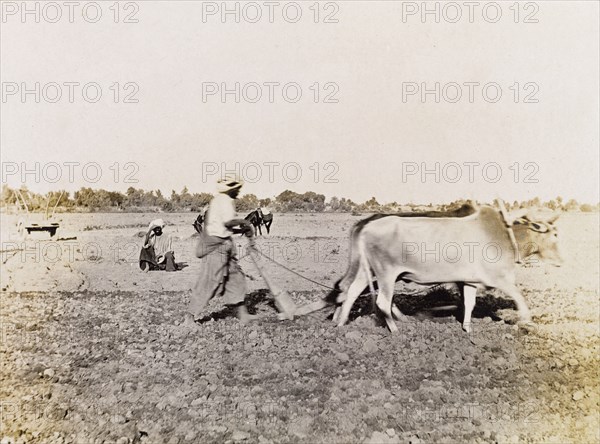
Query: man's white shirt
[(220, 210)]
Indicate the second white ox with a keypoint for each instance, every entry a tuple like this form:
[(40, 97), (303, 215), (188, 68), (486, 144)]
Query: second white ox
[(474, 251)]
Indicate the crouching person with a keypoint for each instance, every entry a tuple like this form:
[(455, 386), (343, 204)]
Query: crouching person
[(157, 252), (220, 272)]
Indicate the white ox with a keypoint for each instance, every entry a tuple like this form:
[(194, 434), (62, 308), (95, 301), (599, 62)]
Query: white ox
[(474, 251)]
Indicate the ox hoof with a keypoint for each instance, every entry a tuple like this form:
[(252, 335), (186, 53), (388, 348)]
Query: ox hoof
[(467, 328), (392, 326), (527, 327), (524, 316)]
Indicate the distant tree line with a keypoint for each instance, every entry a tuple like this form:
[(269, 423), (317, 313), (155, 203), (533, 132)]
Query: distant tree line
[(138, 200)]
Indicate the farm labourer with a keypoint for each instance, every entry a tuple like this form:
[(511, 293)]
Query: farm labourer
[(220, 272), (157, 252)]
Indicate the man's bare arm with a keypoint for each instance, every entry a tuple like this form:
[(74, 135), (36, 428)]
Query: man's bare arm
[(236, 222), (149, 236), (244, 226)]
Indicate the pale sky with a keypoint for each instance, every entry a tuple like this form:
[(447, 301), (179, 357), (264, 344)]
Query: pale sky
[(367, 139)]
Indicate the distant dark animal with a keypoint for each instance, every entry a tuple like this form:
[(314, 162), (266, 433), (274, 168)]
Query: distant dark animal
[(268, 220), (258, 218), (199, 223)]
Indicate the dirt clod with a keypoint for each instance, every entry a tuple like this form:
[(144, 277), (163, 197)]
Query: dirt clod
[(239, 436)]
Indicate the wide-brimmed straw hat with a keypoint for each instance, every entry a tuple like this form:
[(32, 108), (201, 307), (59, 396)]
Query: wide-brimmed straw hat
[(230, 183), (156, 223)]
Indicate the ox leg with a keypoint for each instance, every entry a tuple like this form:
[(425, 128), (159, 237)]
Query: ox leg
[(340, 298), (355, 289), (396, 312), (469, 294), (336, 313), (384, 302), (512, 291)]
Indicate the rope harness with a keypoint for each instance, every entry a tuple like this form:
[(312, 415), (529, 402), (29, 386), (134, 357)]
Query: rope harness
[(289, 269), (371, 287)]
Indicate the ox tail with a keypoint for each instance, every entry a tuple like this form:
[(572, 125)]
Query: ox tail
[(364, 262)]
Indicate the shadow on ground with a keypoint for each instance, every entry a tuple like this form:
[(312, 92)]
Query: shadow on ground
[(435, 303), (255, 299), (438, 302)]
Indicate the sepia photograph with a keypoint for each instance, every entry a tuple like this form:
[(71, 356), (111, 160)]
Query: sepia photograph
[(299, 222)]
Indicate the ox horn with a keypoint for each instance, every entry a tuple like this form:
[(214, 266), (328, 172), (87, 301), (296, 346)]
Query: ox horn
[(518, 215), (512, 217), (553, 218)]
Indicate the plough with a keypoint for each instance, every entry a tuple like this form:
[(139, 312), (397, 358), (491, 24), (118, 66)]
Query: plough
[(283, 301)]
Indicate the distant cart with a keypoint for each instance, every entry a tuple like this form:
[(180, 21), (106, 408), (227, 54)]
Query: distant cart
[(29, 226), (50, 228)]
